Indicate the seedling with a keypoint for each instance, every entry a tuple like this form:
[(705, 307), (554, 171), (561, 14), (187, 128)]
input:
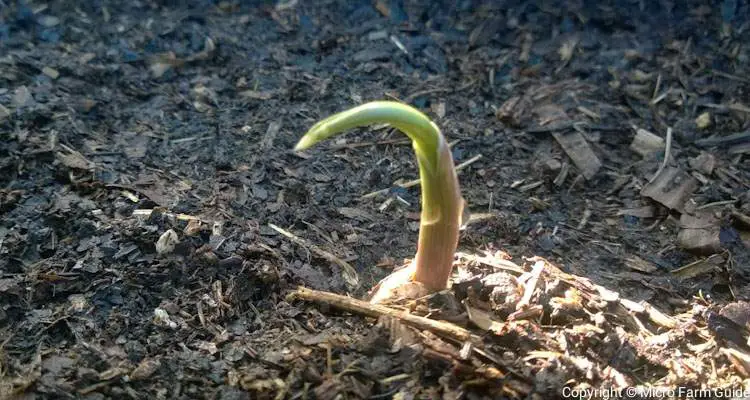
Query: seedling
[(442, 204)]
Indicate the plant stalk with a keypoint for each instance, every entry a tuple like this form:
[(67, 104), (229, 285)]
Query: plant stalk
[(442, 204)]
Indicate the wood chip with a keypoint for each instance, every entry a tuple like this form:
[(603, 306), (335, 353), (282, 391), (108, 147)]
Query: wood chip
[(256, 95), (699, 267), (704, 120), (22, 97), (740, 360), (671, 188), (646, 143), (4, 113), (355, 213), (512, 112), (703, 163), (529, 286), (167, 242), (73, 160), (573, 143), (483, 319), (641, 265), (699, 233), (579, 151), (51, 72)]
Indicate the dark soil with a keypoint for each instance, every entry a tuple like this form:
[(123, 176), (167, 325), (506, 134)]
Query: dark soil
[(122, 120)]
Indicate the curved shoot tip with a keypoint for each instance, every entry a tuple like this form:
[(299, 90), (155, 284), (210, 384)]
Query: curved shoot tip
[(423, 132), (325, 128), (305, 143)]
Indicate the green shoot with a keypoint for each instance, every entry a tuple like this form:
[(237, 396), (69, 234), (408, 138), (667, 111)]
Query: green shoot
[(442, 204)]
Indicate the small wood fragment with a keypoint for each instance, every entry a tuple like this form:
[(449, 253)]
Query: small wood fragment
[(637, 263), (50, 72), (483, 32), (672, 188), (703, 121), (646, 143), (74, 160), (562, 175), (699, 233), (512, 112), (530, 284), (266, 142), (579, 151), (4, 113), (741, 218), (742, 148), (667, 155), (739, 359), (703, 163), (483, 319), (699, 267)]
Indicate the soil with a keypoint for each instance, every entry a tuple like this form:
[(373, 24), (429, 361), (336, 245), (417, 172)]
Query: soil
[(146, 164)]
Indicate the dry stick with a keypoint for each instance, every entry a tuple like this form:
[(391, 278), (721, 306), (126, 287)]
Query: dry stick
[(365, 144), (416, 182), (349, 273), (376, 310), (729, 76), (146, 212), (265, 143), (494, 262), (530, 285), (656, 87), (742, 218), (667, 154), (733, 107), (442, 328), (414, 95)]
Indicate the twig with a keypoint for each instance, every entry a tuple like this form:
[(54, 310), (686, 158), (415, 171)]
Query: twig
[(398, 44), (716, 204), (349, 273), (377, 310), (265, 143), (742, 218), (656, 87), (530, 284), (735, 138), (667, 154), (365, 144), (661, 97), (146, 212), (414, 95), (494, 262), (729, 76), (416, 182), (733, 107)]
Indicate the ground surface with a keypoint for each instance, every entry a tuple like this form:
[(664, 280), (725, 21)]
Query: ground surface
[(109, 108)]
